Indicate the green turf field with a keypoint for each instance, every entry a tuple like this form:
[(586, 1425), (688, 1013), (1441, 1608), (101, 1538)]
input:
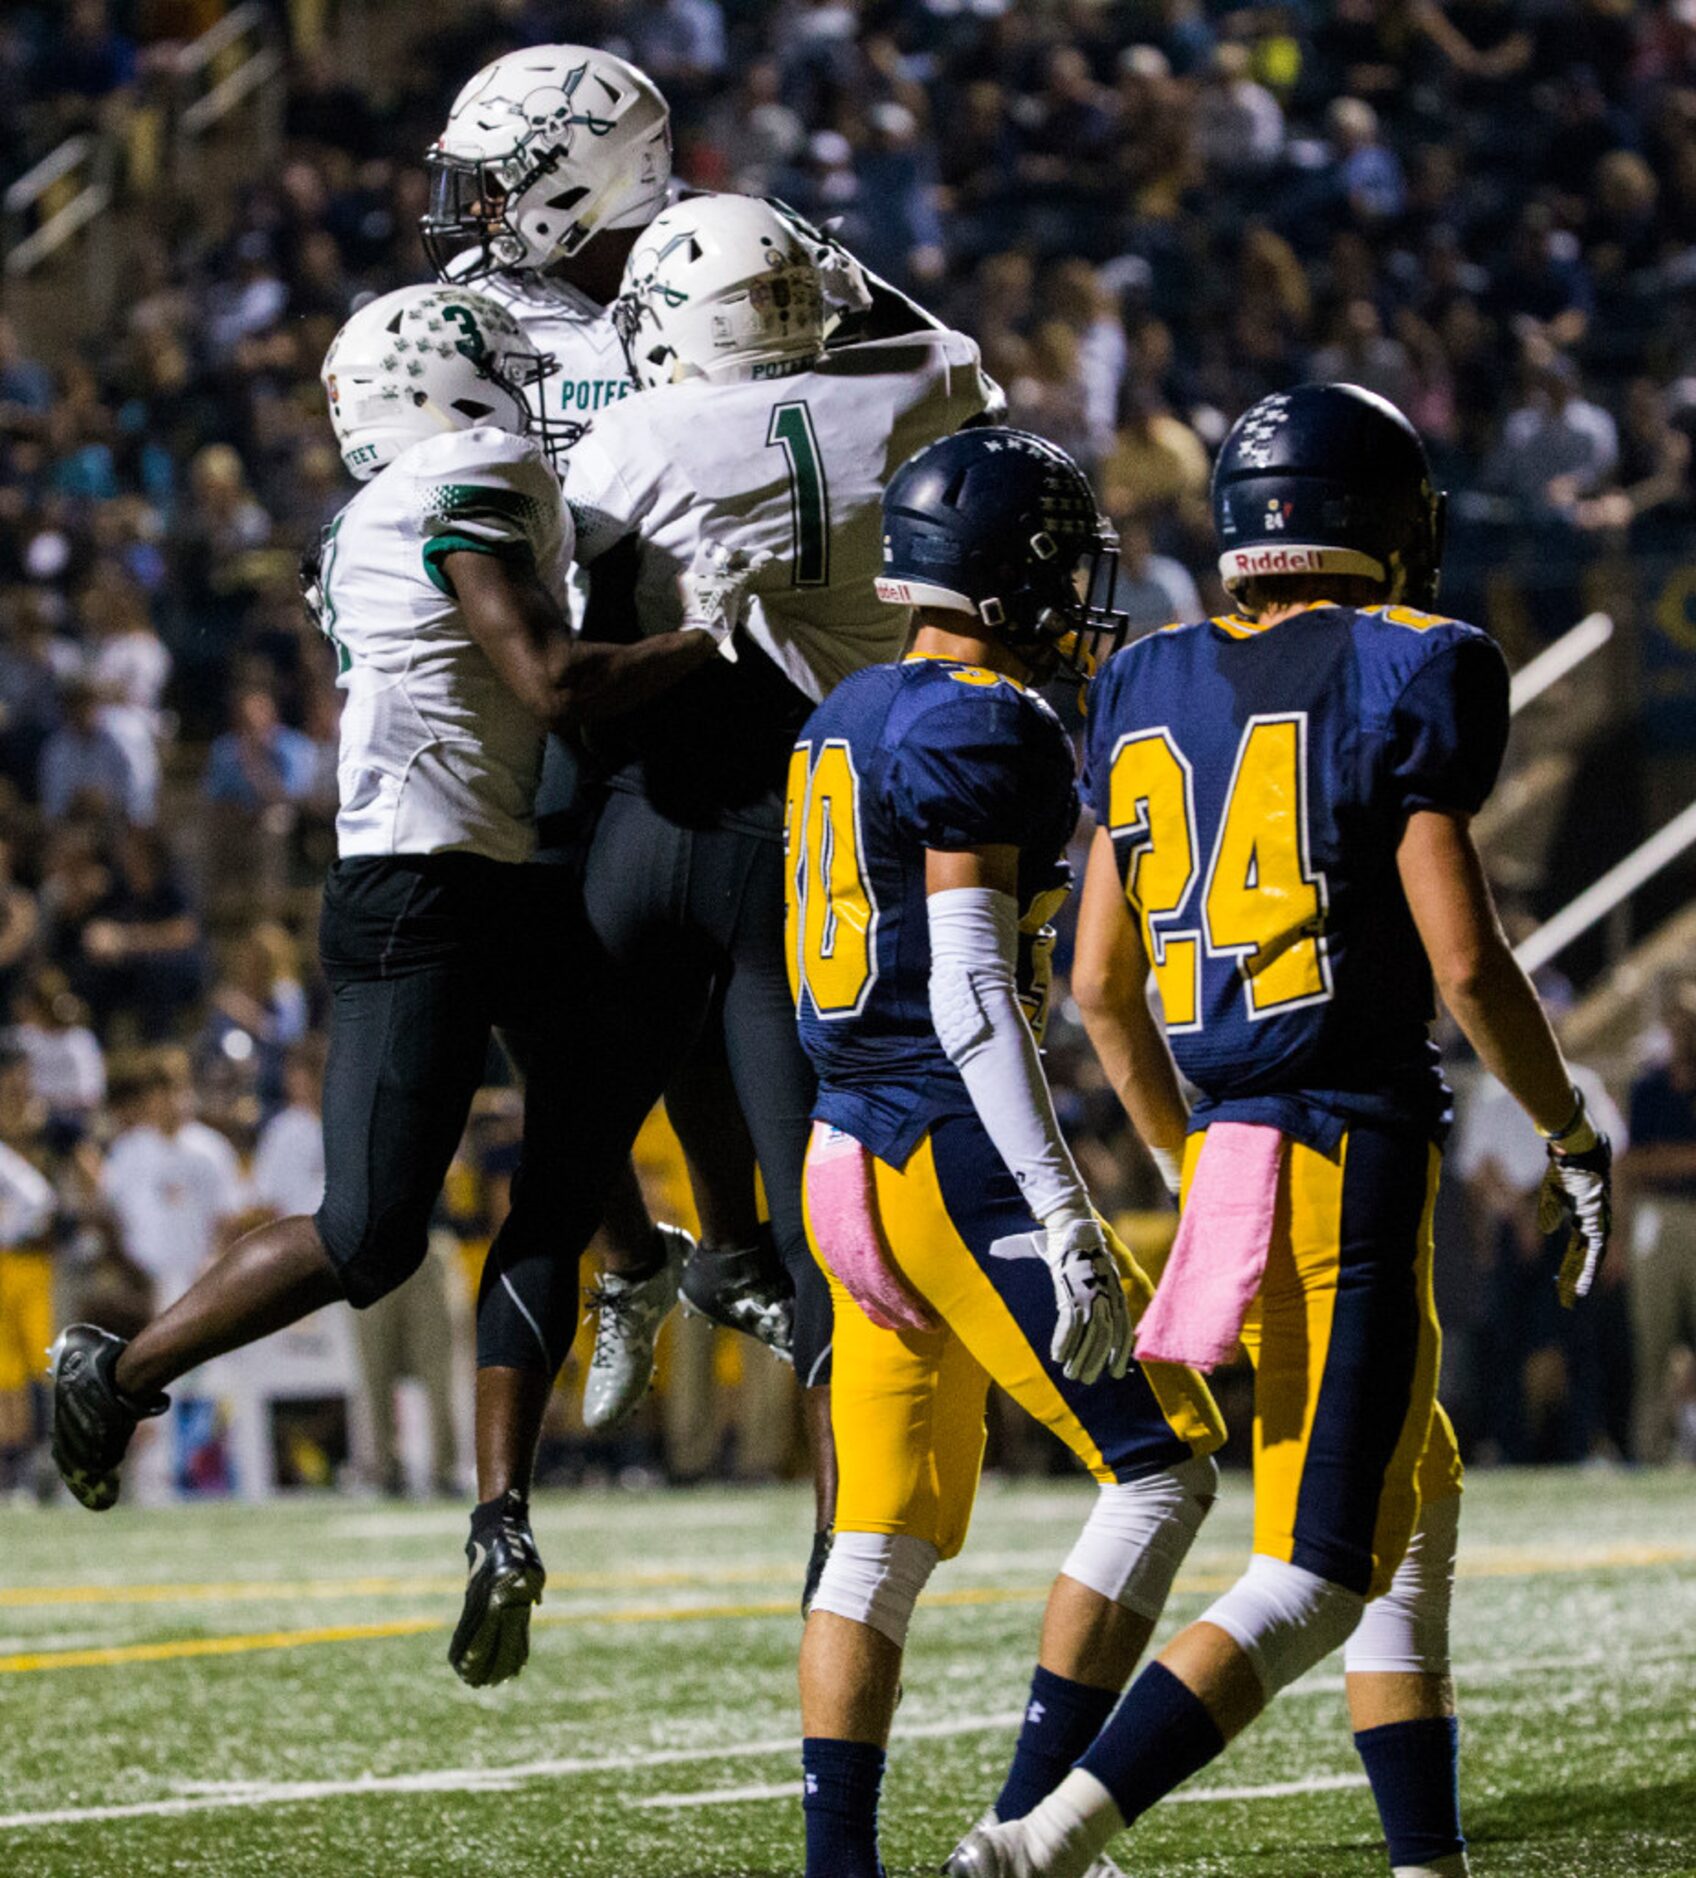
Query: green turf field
[(230, 1692)]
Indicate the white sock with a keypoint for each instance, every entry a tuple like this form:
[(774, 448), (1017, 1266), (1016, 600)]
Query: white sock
[(1454, 1866), (1072, 1827)]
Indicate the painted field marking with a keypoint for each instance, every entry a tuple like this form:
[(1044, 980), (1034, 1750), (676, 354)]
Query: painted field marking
[(725, 1796), (238, 1590), (1185, 1796), (204, 1796), (200, 1797), (1484, 1562), (1626, 1557)]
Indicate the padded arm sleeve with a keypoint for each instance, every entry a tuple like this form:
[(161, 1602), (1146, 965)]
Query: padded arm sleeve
[(974, 1003)]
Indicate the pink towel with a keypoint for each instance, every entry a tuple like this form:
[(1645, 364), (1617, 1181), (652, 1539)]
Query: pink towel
[(1219, 1257), (842, 1211)]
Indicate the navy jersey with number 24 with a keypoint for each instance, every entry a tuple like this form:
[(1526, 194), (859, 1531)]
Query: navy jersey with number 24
[(1256, 782), (898, 759)]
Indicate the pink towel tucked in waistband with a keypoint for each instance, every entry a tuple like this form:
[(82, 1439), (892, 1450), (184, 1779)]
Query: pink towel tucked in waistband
[(1219, 1257), (843, 1214)]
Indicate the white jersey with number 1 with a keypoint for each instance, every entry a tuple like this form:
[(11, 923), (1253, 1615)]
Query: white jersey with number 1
[(794, 465), (437, 754)]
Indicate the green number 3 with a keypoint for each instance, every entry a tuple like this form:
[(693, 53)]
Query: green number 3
[(473, 345), (809, 498)]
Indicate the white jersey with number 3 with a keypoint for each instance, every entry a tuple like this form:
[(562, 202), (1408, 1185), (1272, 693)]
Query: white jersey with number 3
[(794, 465), (437, 754)]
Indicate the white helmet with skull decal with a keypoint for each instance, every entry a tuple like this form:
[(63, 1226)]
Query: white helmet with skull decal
[(420, 361), (543, 150), (721, 287)]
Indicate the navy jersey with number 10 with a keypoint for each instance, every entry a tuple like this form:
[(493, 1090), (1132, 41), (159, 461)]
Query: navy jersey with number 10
[(1256, 782), (899, 759)]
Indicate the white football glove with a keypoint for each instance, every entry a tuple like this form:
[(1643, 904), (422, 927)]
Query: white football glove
[(1093, 1329), (1578, 1190), (715, 592)]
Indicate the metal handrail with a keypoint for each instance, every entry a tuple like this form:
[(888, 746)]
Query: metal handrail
[(263, 65), (221, 33), (1617, 885), (28, 252), (1553, 663)]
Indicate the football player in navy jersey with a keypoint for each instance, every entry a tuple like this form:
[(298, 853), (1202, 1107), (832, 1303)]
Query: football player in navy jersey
[(929, 807), (1283, 799)]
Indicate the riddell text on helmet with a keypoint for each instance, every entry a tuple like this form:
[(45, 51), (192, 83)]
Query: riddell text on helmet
[(1279, 560)]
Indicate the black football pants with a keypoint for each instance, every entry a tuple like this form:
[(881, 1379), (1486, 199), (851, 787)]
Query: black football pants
[(425, 955), (681, 924)]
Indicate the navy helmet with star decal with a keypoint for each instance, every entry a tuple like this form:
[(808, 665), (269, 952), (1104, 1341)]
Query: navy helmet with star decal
[(1003, 525), (1328, 479)]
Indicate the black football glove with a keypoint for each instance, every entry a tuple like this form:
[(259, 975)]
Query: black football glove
[(1578, 1191)]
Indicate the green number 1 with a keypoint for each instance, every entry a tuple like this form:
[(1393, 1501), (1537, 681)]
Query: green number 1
[(327, 598), (809, 499)]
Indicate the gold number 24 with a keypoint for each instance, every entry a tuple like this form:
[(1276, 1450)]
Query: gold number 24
[(1262, 903)]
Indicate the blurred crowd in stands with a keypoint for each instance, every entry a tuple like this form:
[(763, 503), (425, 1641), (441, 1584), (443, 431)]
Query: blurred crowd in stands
[(1149, 212)]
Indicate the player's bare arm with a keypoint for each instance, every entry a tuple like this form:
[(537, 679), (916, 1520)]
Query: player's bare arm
[(1110, 969), (1493, 1001), (563, 681), (1479, 979)]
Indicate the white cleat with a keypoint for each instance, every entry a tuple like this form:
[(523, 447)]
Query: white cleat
[(628, 1318), (991, 1850)]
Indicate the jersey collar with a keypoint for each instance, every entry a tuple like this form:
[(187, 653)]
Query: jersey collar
[(943, 658), (1237, 627)]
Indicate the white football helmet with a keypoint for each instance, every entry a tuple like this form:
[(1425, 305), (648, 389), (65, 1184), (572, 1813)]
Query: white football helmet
[(543, 150), (421, 360), (720, 287)]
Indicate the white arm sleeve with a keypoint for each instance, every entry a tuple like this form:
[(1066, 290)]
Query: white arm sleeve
[(974, 1004)]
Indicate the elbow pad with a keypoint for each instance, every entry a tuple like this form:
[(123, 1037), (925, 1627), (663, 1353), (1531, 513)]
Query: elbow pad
[(974, 1002)]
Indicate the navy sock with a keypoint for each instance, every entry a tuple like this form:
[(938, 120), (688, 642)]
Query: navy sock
[(1061, 1719), (1161, 1735), (839, 1803), (1414, 1767)]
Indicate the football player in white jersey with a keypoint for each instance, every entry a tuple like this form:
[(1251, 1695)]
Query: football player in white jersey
[(440, 586), (752, 436), (552, 161)]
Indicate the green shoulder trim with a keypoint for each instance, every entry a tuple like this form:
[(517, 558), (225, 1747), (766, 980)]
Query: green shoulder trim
[(439, 547), (448, 503)]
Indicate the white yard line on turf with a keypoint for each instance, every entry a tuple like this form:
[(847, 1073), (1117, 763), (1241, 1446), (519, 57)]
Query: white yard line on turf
[(205, 1796), (209, 1796), (1185, 1796)]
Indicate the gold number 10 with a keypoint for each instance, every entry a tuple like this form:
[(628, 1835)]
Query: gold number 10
[(831, 915)]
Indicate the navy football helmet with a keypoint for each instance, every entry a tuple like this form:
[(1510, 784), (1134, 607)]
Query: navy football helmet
[(1003, 526), (1328, 479)]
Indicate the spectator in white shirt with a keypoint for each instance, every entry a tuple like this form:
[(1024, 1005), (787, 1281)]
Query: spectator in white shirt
[(1239, 125), (1557, 448), (288, 1164), (128, 667), (65, 1058), (174, 1185)]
